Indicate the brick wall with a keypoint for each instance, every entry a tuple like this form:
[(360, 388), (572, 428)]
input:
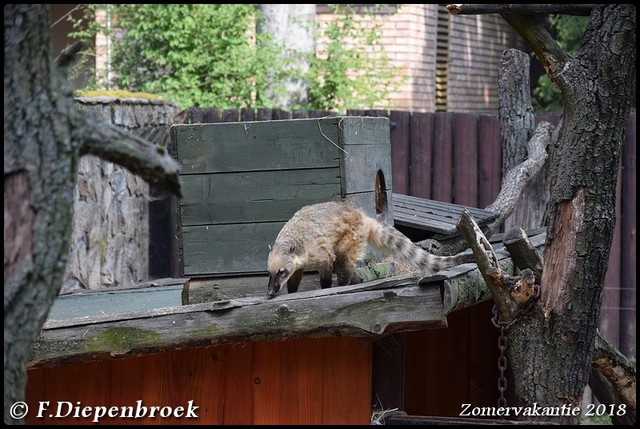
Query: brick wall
[(409, 35)]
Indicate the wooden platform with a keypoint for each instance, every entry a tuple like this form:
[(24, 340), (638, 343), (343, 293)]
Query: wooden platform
[(434, 216)]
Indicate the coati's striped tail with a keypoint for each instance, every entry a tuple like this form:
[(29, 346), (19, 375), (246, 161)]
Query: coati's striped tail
[(388, 239)]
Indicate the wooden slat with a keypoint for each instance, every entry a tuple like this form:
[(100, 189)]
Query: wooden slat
[(442, 184), (465, 144), (248, 146), (256, 196), (115, 302), (434, 216), (400, 151), (421, 154), (227, 249), (489, 159)]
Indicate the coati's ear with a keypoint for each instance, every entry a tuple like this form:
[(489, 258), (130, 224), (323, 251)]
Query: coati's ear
[(270, 248)]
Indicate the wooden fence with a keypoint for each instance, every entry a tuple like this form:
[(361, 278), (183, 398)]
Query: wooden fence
[(457, 158)]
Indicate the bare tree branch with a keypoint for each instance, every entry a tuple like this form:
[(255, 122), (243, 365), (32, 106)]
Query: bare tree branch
[(527, 9), (516, 179), (488, 265), (151, 162)]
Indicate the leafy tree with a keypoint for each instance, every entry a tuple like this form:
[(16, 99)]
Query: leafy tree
[(209, 55), (192, 54), (353, 71), (569, 30)]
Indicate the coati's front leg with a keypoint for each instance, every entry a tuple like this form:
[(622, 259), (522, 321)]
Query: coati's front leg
[(294, 281)]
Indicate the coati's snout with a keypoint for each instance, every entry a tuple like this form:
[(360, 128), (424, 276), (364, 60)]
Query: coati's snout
[(274, 285)]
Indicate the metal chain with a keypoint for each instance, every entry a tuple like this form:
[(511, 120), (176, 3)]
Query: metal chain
[(502, 344), (502, 359)]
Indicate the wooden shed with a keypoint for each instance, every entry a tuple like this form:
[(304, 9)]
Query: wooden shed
[(212, 339)]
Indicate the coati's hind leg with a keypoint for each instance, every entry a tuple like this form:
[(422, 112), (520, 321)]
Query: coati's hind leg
[(325, 278), (344, 269), (294, 282)]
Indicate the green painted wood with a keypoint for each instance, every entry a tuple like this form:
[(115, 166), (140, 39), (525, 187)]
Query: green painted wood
[(258, 196), (247, 146), (240, 179), (94, 304), (227, 249)]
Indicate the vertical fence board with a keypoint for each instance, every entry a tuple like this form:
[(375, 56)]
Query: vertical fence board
[(421, 157), (465, 159), (400, 151), (442, 179), (247, 115), (628, 238), (230, 115), (609, 323), (211, 115), (489, 160)]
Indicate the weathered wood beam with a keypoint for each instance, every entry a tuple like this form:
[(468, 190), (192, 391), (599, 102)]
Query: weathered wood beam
[(527, 9), (368, 310)]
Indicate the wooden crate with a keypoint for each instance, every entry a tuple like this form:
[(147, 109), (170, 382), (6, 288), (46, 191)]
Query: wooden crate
[(241, 181)]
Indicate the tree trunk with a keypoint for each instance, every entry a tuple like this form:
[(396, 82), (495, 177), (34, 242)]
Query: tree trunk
[(44, 135), (40, 155), (293, 27), (551, 348)]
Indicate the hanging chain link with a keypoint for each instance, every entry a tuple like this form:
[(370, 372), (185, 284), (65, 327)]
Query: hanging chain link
[(502, 344)]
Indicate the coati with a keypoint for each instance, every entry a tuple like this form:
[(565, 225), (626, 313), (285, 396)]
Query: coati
[(330, 237)]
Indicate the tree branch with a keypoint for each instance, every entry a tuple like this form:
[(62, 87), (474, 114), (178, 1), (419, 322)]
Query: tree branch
[(488, 266), (152, 163), (523, 252), (551, 55), (527, 9), (516, 179), (613, 380)]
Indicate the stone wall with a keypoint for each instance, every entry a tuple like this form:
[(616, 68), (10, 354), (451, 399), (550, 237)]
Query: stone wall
[(110, 241)]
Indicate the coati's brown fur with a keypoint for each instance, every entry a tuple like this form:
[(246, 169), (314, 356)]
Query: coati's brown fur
[(331, 237)]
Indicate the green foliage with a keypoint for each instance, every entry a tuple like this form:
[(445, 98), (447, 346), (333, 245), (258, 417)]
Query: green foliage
[(569, 30), (209, 55), (191, 54), (354, 71)]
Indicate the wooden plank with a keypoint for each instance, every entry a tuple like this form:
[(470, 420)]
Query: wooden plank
[(248, 146), (376, 309), (434, 216), (447, 209), (230, 384), (421, 157), (628, 262), (442, 183), (465, 140), (489, 159), (400, 150), (346, 383), (256, 196), (387, 384), (227, 249), (114, 302), (239, 384)]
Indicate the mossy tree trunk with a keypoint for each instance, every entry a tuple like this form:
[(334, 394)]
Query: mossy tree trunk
[(44, 136)]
